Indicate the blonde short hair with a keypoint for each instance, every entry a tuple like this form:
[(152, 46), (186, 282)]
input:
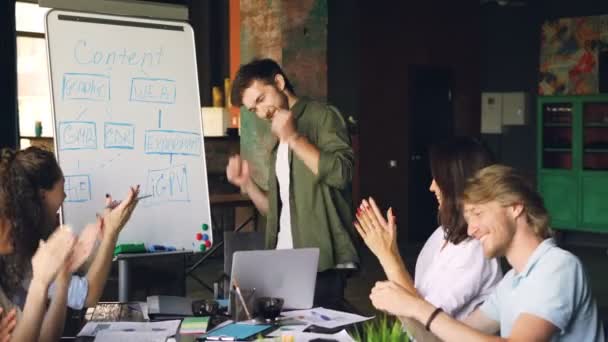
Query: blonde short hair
[(507, 186)]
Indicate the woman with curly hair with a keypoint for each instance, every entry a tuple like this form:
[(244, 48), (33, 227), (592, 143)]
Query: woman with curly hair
[(49, 262), (36, 182)]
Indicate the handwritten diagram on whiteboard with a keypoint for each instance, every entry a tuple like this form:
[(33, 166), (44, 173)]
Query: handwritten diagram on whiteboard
[(126, 111)]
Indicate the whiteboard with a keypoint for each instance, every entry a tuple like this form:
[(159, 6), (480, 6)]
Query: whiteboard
[(126, 111)]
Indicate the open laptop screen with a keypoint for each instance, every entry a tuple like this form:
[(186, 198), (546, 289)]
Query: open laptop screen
[(287, 273)]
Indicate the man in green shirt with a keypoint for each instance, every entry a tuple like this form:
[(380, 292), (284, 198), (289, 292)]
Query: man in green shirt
[(309, 200)]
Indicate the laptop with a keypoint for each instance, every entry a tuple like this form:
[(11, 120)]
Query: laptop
[(287, 273)]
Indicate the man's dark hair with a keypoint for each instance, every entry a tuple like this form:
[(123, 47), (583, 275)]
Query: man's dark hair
[(263, 70)]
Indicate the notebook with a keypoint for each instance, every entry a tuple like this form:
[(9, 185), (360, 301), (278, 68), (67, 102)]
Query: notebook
[(194, 325)]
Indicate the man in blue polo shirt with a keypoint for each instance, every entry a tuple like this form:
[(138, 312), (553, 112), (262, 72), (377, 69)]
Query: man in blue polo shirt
[(545, 297)]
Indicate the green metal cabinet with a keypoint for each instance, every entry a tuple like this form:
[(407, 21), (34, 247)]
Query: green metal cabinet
[(572, 163)]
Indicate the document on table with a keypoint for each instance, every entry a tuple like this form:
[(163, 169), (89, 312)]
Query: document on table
[(341, 336), (325, 318), (289, 329), (130, 331)]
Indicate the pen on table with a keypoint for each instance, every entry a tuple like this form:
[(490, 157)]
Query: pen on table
[(320, 315), (240, 295)]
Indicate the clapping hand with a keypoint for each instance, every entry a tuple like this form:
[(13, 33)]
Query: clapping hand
[(237, 171), (117, 214), (378, 233), (392, 298), (51, 255), (84, 245), (7, 324)]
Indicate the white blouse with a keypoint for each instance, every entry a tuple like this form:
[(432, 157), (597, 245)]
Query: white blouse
[(458, 278)]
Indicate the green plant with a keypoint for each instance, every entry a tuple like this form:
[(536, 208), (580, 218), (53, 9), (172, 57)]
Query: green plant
[(380, 329)]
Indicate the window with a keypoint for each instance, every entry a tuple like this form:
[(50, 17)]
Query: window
[(33, 90)]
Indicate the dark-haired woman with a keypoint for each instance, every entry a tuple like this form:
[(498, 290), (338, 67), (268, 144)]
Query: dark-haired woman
[(451, 271)]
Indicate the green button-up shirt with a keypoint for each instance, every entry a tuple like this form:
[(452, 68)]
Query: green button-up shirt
[(320, 205)]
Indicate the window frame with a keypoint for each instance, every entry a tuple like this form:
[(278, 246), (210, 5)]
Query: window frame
[(35, 35)]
